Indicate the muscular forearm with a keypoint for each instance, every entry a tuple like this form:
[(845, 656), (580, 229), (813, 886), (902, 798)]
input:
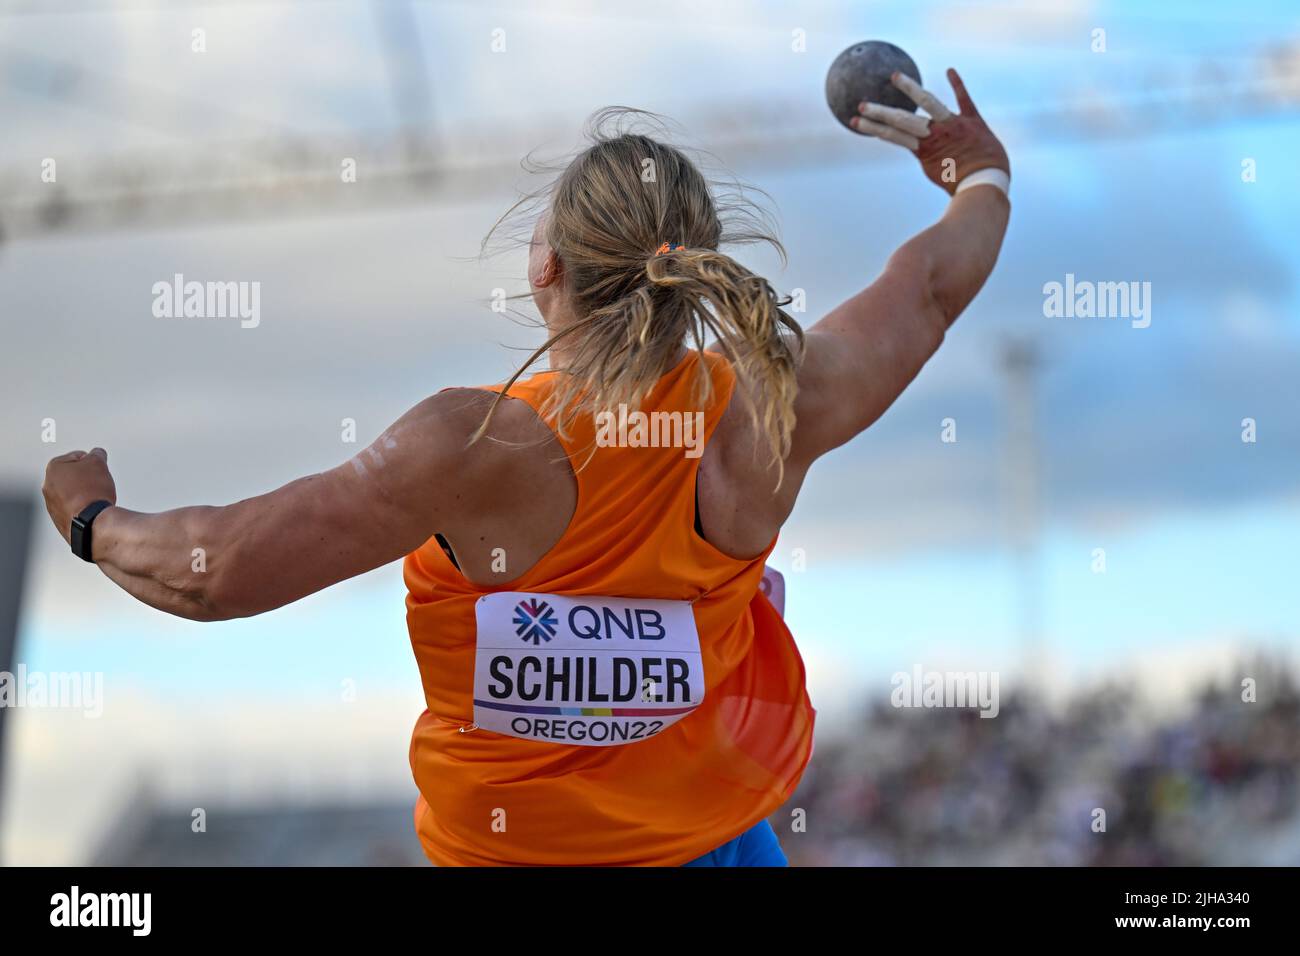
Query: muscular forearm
[(216, 563), (943, 268), (161, 559), (955, 256)]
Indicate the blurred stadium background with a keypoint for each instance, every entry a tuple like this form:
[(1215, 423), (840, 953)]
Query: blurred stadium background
[(1121, 680)]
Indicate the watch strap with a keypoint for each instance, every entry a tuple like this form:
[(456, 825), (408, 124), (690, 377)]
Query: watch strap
[(80, 537)]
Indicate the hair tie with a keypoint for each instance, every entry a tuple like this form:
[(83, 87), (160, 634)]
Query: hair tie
[(668, 247)]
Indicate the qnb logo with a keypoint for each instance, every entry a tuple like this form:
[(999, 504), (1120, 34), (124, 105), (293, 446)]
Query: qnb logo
[(606, 623), (536, 621)]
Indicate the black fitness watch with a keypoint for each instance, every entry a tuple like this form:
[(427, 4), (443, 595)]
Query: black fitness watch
[(81, 528)]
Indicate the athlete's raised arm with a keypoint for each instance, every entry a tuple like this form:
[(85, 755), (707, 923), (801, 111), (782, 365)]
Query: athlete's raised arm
[(268, 551), (861, 356)]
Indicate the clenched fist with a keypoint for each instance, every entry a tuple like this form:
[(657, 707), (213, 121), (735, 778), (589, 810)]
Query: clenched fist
[(73, 481)]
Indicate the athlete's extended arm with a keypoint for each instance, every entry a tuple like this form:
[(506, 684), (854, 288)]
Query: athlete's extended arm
[(862, 355), (268, 551)]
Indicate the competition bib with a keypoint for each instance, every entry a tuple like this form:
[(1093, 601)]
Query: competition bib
[(585, 671)]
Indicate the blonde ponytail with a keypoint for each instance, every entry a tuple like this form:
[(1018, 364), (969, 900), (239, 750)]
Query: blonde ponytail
[(640, 303), (742, 312)]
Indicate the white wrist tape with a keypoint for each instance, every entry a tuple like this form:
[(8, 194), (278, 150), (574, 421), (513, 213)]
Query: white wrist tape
[(987, 177)]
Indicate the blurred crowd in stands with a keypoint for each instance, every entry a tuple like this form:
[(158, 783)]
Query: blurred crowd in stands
[(1212, 782), (1216, 784)]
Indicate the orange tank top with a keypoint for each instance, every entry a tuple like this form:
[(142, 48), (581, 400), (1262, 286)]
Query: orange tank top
[(632, 699)]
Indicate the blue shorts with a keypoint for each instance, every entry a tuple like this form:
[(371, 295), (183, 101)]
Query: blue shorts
[(757, 846)]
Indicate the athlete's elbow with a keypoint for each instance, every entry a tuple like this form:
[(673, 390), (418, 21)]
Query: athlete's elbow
[(915, 276), (215, 586), (203, 584), (222, 595), (203, 613), (194, 595), (934, 316)]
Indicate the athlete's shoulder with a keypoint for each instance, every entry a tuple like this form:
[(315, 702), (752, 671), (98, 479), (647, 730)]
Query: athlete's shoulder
[(456, 407), (454, 416)]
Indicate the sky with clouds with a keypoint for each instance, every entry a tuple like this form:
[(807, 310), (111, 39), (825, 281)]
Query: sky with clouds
[(905, 537)]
